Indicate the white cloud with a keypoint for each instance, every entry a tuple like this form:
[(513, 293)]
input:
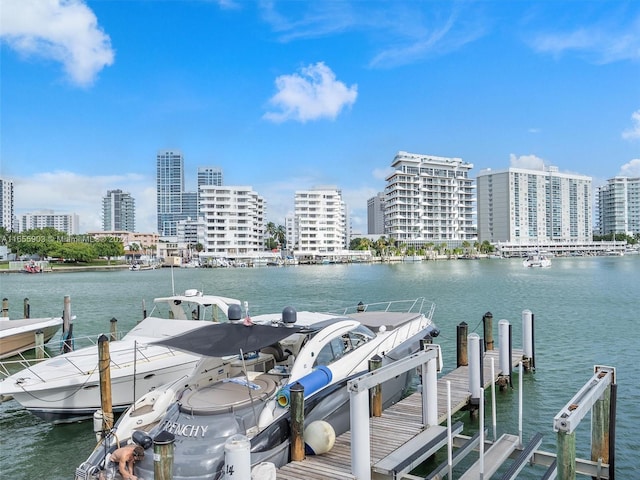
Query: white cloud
[(633, 133), (66, 192), (610, 41), (631, 169), (530, 162), (313, 94), (65, 31)]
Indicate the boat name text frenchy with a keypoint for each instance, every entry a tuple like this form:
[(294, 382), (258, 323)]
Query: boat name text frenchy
[(185, 430)]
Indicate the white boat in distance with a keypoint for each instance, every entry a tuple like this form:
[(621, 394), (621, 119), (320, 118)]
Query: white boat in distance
[(241, 385), (18, 336), (537, 260), (66, 388)]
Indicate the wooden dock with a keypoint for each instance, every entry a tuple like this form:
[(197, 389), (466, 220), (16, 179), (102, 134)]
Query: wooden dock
[(395, 428)]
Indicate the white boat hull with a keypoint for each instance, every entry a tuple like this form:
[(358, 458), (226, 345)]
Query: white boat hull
[(18, 336)]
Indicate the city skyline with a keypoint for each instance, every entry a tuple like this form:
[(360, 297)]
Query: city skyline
[(317, 94)]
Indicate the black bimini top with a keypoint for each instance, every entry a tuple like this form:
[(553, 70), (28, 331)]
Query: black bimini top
[(223, 339)]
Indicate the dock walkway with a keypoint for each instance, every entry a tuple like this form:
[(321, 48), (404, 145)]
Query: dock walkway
[(397, 426)]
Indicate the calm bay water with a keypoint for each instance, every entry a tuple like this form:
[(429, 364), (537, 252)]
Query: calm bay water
[(586, 312)]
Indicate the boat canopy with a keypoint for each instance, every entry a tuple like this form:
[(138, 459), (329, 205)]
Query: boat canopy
[(223, 339)]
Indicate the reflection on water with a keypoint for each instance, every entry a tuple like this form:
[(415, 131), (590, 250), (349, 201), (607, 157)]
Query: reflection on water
[(586, 311)]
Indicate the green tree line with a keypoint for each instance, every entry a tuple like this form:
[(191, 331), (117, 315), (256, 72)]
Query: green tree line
[(48, 242)]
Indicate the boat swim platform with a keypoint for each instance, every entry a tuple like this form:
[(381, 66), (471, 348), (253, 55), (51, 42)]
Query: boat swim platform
[(399, 426)]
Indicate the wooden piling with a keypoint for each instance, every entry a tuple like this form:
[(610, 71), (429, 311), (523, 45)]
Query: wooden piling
[(113, 329), (5, 307), (600, 428), (613, 400), (461, 344), (39, 345), (376, 392), (566, 456), (27, 309), (487, 322), (104, 367), (144, 310), (163, 446), (297, 421), (67, 326)]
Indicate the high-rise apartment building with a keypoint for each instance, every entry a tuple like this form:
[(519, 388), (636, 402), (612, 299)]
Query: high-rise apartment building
[(68, 223), (169, 189), (118, 211), (429, 199), (234, 220), (320, 221), (534, 206), (375, 214), (209, 176), (6, 204), (618, 203)]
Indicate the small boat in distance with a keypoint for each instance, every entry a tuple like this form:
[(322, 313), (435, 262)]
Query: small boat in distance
[(32, 267), (19, 336), (537, 259)]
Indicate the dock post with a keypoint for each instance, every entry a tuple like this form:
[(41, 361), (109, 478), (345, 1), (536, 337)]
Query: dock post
[(504, 361), (297, 421), (528, 347), (461, 343), (39, 345), (237, 458), (113, 329), (600, 427), (376, 392), (430, 389), (475, 368), (27, 308), (612, 430), (67, 326), (566, 456), (487, 322), (5, 307), (104, 367), (163, 455), (360, 436)]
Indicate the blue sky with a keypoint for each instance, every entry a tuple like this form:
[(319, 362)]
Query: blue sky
[(289, 95)]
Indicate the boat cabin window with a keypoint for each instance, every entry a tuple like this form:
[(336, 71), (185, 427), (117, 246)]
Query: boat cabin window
[(331, 352)]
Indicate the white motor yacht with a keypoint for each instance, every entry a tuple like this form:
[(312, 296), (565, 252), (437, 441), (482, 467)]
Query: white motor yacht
[(66, 388)]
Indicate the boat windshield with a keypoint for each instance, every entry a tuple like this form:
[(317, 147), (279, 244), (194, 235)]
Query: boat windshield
[(343, 345)]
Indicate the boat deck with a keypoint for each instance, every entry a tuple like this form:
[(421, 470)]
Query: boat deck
[(397, 426)]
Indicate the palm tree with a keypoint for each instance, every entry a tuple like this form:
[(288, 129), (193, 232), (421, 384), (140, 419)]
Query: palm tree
[(281, 236)]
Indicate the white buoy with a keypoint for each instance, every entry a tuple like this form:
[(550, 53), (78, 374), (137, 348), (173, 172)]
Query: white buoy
[(237, 458), (319, 437), (97, 424)]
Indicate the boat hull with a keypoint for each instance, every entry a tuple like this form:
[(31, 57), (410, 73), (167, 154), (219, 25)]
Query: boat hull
[(76, 401), (18, 336)]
